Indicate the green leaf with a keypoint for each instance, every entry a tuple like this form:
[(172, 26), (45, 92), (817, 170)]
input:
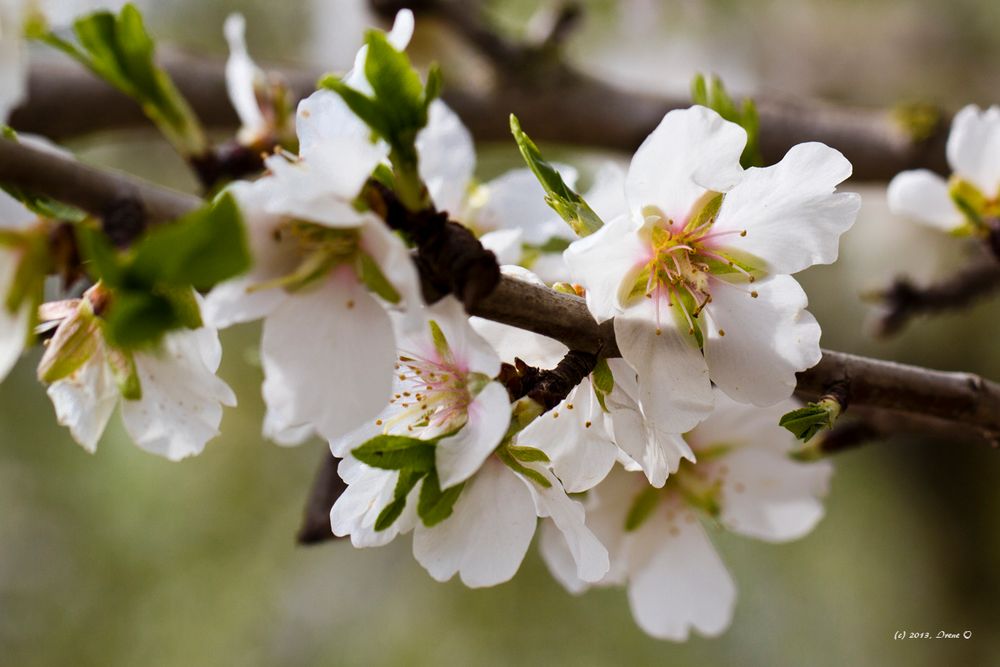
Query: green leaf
[(570, 206), (713, 94), (138, 319), (508, 459), (396, 85), (200, 249), (807, 421), (642, 507), (436, 505), (527, 454), (119, 50), (101, 259), (371, 275), (404, 484), (440, 341), (601, 376), (397, 452)]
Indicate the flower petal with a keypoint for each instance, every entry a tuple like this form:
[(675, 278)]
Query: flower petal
[(682, 583), (674, 387), (974, 147), (85, 400), (767, 339), (767, 496), (791, 215), (506, 244), (516, 200), (447, 158), (690, 151), (459, 456), (575, 440), (241, 76), (923, 195), (487, 536), (13, 326), (328, 356), (181, 405), (588, 553), (604, 262), (369, 491)]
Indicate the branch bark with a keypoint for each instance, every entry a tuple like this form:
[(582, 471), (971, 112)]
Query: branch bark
[(555, 104), (961, 399)]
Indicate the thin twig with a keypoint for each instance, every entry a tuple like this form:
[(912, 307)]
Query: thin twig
[(903, 300), (962, 399)]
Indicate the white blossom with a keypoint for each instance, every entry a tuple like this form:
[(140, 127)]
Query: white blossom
[(659, 549), (973, 152), (696, 274)]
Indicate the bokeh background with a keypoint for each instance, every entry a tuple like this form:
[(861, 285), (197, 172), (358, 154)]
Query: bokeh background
[(121, 558)]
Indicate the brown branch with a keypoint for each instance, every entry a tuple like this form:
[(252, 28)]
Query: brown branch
[(325, 489), (962, 399), (903, 300), (554, 102)]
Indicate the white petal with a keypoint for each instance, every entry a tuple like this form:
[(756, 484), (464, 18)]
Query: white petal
[(790, 212), (767, 339), (394, 261), (682, 584), (674, 387), (734, 424), (399, 37), (510, 342), (13, 326), (923, 195), (559, 559), (487, 536), (181, 405), (241, 75), (369, 491), (85, 400), (657, 452), (575, 440), (589, 554), (605, 263), (770, 497), (459, 456), (328, 355), (691, 151), (470, 352), (322, 189), (607, 195), (506, 244), (323, 120), (447, 157), (974, 147), (516, 200)]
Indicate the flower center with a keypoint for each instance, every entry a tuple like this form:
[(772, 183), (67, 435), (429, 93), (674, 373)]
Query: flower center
[(682, 257), (433, 395)]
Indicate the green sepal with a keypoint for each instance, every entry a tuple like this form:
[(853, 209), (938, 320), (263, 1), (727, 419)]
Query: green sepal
[(404, 484), (713, 94), (369, 272), (642, 508), (527, 454), (435, 505), (74, 343), (397, 452), (807, 421), (508, 459), (440, 341), (570, 206), (124, 371), (119, 50)]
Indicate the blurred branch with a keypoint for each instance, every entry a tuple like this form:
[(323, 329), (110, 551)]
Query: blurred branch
[(325, 489), (963, 399), (555, 101), (903, 300)]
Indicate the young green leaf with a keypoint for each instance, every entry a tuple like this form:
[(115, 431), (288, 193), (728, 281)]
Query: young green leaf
[(435, 505), (713, 94), (570, 206), (807, 421), (404, 484), (511, 462), (642, 507), (397, 452), (527, 454), (119, 50), (368, 271)]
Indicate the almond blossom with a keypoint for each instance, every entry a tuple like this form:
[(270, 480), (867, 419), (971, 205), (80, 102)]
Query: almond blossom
[(744, 480), (971, 197), (15, 322), (171, 400), (445, 388), (696, 273)]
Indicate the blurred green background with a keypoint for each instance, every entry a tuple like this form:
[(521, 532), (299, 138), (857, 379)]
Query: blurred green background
[(124, 559)]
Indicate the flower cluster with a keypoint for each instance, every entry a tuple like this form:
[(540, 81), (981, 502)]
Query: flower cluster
[(689, 252)]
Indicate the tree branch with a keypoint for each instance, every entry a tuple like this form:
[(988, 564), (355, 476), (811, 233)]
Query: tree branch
[(902, 301), (555, 103), (912, 391)]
